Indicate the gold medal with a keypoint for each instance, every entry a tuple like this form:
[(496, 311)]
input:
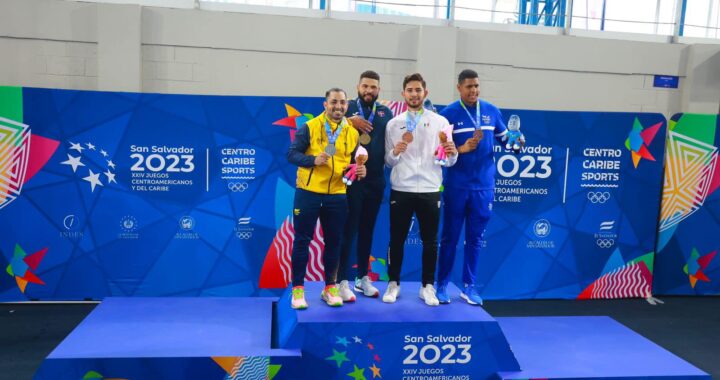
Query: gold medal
[(407, 137), (365, 138)]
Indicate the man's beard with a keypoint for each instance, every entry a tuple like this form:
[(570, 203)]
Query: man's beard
[(362, 99)]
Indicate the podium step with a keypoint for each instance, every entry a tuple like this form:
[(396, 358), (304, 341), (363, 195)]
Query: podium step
[(187, 338), (407, 339), (588, 348)]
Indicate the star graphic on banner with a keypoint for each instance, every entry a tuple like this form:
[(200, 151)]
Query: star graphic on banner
[(90, 146), (338, 358), (376, 371), (695, 266), (357, 373), (76, 146), (103, 152), (357, 340), (111, 164), (73, 161), (294, 120), (342, 341), (110, 176), (94, 180), (377, 358), (639, 140), (370, 346), (22, 266)]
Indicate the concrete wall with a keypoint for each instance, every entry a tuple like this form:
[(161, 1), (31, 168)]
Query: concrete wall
[(94, 46)]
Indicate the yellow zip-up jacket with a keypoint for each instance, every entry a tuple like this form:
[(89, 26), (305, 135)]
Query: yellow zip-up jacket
[(310, 140)]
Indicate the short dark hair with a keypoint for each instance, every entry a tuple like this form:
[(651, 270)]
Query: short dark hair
[(370, 75), (334, 89), (467, 74), (412, 78)]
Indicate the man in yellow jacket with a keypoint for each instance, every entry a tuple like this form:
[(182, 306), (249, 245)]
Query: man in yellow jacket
[(323, 148)]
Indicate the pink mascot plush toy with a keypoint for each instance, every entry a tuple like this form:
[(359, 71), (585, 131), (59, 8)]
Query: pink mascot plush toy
[(361, 157), (440, 155)]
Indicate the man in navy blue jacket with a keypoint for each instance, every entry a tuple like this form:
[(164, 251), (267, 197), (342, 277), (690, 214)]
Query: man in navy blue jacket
[(364, 197)]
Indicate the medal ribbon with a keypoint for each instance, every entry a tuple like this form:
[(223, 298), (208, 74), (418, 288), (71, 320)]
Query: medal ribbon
[(412, 122), (362, 113), (332, 137), (476, 119)]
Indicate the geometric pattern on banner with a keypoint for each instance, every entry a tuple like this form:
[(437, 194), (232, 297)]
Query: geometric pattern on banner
[(252, 368), (688, 175), (244, 368), (14, 158), (633, 279), (280, 253), (630, 280)]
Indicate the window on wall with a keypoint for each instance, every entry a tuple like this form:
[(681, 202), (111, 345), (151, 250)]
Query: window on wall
[(313, 4), (416, 8), (701, 18), (636, 16), (500, 11)]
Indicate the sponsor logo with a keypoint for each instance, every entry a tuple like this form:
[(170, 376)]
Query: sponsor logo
[(606, 236), (541, 228), (70, 223), (243, 229), (128, 228)]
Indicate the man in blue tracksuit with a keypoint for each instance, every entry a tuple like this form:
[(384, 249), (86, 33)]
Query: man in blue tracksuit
[(469, 184)]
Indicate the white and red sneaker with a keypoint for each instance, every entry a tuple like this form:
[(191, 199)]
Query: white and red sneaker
[(345, 293)]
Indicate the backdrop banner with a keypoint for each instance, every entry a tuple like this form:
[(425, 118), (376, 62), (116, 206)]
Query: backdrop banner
[(125, 194)]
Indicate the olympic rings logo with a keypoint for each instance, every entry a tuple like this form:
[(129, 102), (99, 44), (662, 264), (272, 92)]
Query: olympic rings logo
[(238, 186), (244, 235), (598, 197), (605, 243)]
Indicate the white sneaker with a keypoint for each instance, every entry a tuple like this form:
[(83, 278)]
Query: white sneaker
[(345, 293), (392, 292), (427, 293), (365, 286)]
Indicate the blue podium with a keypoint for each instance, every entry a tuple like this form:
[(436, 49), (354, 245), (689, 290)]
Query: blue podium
[(408, 338), (264, 339)]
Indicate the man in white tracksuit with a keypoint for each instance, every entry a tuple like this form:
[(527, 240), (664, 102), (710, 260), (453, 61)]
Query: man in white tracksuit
[(410, 142)]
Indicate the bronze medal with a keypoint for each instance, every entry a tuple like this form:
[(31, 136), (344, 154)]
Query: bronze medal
[(365, 138), (478, 134), (407, 137)]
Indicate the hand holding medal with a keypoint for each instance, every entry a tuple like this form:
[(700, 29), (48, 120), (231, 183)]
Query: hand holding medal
[(472, 143), (321, 159), (367, 125)]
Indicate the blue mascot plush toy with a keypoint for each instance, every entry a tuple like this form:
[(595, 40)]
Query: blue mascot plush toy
[(514, 139)]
